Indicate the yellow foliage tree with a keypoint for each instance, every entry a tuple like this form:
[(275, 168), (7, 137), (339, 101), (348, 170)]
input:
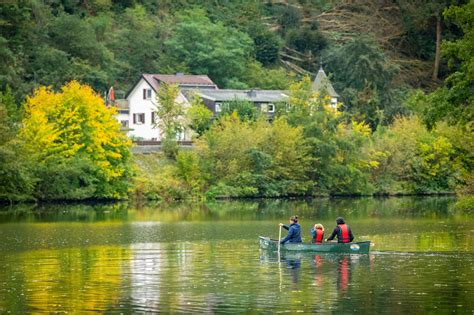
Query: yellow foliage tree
[(61, 127)]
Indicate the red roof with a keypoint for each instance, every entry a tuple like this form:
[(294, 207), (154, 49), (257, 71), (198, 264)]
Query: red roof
[(180, 79), (183, 80)]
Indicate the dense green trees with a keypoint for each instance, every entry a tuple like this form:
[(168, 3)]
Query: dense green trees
[(365, 79), (338, 162), (136, 45), (199, 46), (239, 44), (385, 138), (455, 100), (16, 182)]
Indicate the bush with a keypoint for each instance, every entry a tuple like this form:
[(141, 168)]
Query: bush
[(414, 160), (157, 179), (75, 179)]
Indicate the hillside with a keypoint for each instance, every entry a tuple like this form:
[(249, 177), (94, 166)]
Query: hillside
[(376, 52)]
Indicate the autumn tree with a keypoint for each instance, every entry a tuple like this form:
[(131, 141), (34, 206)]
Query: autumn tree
[(72, 134)]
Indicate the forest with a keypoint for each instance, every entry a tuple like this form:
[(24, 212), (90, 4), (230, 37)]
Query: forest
[(404, 70)]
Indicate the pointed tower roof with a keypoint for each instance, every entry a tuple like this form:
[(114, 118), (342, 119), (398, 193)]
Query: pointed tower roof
[(321, 82)]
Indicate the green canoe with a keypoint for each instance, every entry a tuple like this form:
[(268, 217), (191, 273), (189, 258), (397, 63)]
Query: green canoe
[(328, 247)]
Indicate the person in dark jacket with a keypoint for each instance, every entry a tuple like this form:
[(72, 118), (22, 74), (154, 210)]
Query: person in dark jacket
[(294, 231), (343, 232)]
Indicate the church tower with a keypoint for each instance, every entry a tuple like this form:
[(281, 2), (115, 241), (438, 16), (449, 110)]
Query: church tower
[(322, 84)]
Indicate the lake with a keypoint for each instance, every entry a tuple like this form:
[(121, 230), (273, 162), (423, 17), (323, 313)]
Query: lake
[(205, 258)]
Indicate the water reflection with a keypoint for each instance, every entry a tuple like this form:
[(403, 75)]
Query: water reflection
[(205, 259), (326, 280), (62, 281), (325, 267), (343, 273), (321, 209), (145, 273)]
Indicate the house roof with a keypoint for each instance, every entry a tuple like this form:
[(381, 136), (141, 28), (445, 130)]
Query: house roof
[(256, 96), (182, 80), (321, 83)]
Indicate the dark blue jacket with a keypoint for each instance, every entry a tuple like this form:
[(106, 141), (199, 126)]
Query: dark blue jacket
[(294, 234)]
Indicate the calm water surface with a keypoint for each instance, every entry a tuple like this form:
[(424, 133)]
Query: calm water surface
[(205, 258)]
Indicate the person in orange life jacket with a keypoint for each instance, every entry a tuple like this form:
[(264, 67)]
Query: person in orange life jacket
[(294, 231), (317, 234), (343, 232)]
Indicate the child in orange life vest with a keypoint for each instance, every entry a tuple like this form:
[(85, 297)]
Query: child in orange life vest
[(317, 234)]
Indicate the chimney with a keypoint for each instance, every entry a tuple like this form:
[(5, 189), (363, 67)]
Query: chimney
[(252, 93)]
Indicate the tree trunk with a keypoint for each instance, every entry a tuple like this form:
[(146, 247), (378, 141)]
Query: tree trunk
[(438, 48)]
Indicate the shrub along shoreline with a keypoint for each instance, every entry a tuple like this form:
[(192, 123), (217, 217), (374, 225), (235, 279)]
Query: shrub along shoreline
[(308, 149)]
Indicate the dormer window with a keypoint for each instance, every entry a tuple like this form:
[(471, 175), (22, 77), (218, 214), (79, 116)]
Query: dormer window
[(147, 94)]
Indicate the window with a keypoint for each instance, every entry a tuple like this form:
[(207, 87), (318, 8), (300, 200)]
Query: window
[(153, 118), (218, 107), (180, 136), (271, 108), (146, 94), (139, 119), (124, 123)]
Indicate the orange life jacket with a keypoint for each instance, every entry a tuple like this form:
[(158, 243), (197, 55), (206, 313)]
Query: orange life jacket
[(344, 233), (318, 236)]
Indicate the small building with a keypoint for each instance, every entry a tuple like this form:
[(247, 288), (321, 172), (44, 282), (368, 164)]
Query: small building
[(264, 100), (322, 84)]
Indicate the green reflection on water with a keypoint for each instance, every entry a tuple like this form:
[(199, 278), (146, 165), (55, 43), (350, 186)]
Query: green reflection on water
[(205, 258)]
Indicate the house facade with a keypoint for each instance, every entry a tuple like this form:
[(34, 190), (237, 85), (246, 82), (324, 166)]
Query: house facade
[(264, 100), (140, 118), (136, 112)]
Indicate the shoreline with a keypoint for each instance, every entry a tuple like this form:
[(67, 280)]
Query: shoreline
[(91, 201)]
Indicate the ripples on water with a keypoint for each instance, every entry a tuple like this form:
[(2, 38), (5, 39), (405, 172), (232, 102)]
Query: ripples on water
[(206, 266)]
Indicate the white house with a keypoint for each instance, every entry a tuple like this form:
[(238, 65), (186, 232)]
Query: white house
[(138, 112)]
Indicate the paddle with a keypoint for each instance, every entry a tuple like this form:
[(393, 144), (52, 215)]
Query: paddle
[(279, 239)]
